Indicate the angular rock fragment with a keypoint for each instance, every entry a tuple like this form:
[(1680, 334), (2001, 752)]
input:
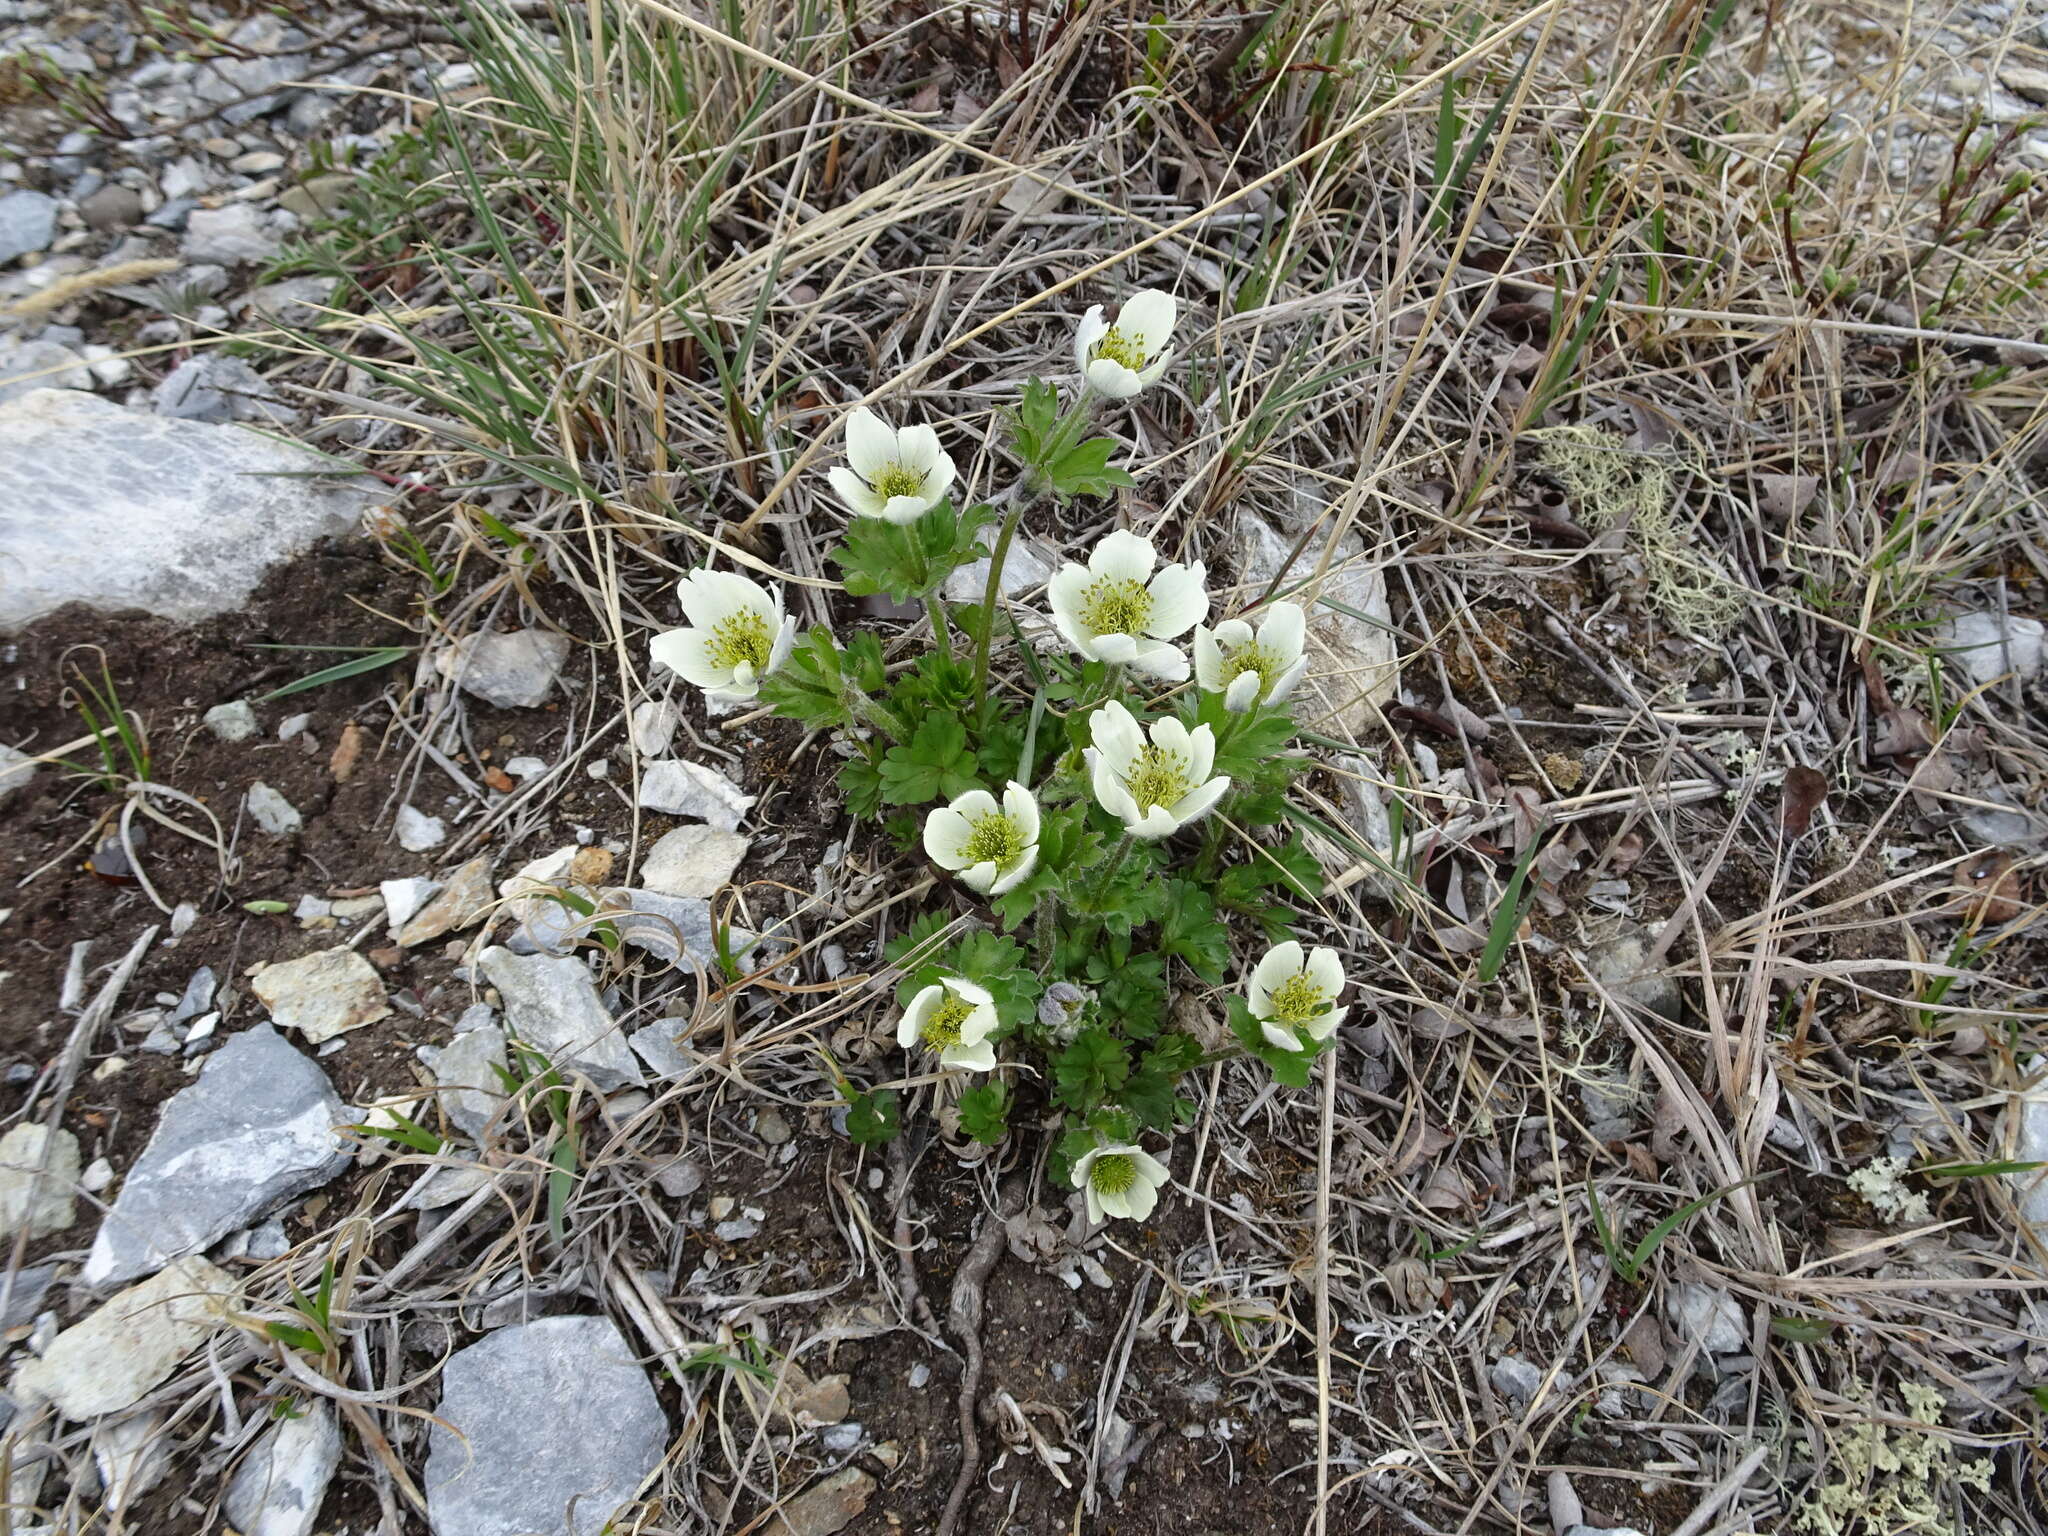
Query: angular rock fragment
[(114, 1355), (322, 995), (552, 1005)]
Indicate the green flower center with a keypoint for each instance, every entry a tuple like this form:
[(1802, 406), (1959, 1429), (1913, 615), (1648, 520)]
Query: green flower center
[(1157, 777), (994, 839), (1113, 1174), (1299, 999), (742, 637), (1120, 348), (896, 480), (1115, 605), (942, 1030), (1252, 658)]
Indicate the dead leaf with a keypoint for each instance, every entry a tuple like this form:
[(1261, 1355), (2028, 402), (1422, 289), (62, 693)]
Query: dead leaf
[(499, 779), (1784, 497), (1644, 1341), (1806, 790), (1420, 1140), (1996, 890)]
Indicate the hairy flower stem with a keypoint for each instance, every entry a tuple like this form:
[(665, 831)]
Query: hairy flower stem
[(942, 631), (1028, 493), (1043, 931)]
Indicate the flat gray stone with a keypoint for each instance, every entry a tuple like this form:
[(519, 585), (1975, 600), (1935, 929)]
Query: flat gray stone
[(41, 1203), (418, 832), (466, 1072), (128, 1346), (693, 861), (1709, 1315), (675, 787), (1354, 663), (272, 812), (551, 1004), (255, 1129), (27, 366), (1025, 570), (16, 769), (236, 233), (465, 900), (28, 222), (656, 1045), (514, 670), (279, 1486), (1986, 645), (231, 722), (218, 388), (324, 994), (2030, 1145), (544, 1429), (118, 508)]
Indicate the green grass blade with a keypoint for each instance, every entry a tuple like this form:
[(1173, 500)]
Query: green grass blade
[(383, 656)]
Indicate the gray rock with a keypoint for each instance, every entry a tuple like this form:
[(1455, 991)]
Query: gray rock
[(1515, 1379), (31, 1285), (656, 1045), (693, 861), (825, 1508), (27, 366), (293, 301), (28, 222), (674, 787), (1711, 1316), (1622, 965), (1024, 570), (1353, 662), (466, 899), (1603, 1530), (324, 994), (513, 671), (110, 208), (670, 927), (278, 1488), (402, 898), (119, 508), (255, 1129), (17, 768), (117, 1353), (466, 1072), (653, 726), (1986, 646), (217, 388), (39, 1202), (272, 812), (544, 1429), (197, 996), (318, 195), (231, 722), (230, 235), (552, 1005), (418, 832)]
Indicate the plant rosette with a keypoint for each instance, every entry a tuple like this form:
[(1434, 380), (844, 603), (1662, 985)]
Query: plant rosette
[(736, 636)]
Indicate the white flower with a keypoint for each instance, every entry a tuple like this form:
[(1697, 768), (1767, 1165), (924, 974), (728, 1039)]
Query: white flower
[(1119, 360), (1153, 787), (991, 847), (898, 474), (1252, 667), (1120, 1180), (955, 1018), (1115, 609), (1294, 995), (737, 634)]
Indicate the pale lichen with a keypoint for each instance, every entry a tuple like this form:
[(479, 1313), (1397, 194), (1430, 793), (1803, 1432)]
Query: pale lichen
[(1614, 486), (1894, 1477), (1878, 1182)]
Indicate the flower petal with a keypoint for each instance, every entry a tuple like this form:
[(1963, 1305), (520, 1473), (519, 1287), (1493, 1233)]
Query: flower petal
[(1021, 806), (1326, 971), (1121, 649), (1018, 873), (870, 443), (1123, 556), (855, 492), (1139, 1200), (687, 653), (1180, 600), (1242, 693), (938, 478), (785, 638), (971, 992), (1283, 630), (1170, 734), (1110, 793), (912, 1023), (1201, 752), (1093, 1201), (1208, 659), (978, 1057), (1113, 381), (945, 833), (1194, 806), (905, 510), (1148, 316), (1116, 735), (1158, 823), (1161, 659), (1091, 330), (917, 448), (1285, 684), (979, 1024), (1279, 1035), (980, 878)]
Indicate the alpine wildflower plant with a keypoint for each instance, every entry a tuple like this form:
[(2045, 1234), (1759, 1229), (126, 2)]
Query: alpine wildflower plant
[(1075, 806)]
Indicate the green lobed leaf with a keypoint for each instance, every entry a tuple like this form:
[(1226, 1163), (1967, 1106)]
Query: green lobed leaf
[(908, 562), (874, 1118), (1188, 929), (985, 1113), (1091, 1069), (935, 764)]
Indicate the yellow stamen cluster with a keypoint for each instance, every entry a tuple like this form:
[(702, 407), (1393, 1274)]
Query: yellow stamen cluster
[(1120, 348), (941, 1031), (1157, 777), (742, 637), (1115, 605), (897, 480), (993, 839), (1113, 1174), (1299, 999), (1252, 658)]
